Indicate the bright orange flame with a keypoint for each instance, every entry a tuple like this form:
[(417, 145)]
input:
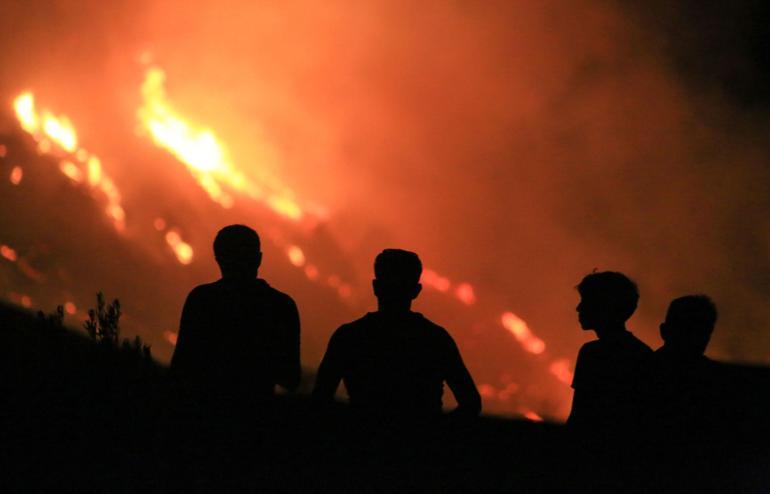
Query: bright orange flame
[(70, 308), (16, 175), (183, 250), (60, 130), (8, 253), (296, 256), (205, 156), (24, 105)]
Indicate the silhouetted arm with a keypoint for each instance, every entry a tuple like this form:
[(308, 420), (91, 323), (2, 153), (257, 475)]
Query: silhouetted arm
[(330, 371), (186, 354), (289, 367), (461, 383)]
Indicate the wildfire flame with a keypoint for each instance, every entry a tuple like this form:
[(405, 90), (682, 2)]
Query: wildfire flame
[(206, 156), (46, 128)]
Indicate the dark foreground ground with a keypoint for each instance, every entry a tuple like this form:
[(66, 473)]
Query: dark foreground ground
[(81, 417)]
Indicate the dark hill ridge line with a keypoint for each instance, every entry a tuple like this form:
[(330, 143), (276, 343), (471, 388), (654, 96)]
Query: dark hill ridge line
[(81, 418)]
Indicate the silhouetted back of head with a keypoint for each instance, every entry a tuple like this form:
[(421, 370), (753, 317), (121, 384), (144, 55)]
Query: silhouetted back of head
[(607, 298), (237, 251), (689, 323), (397, 276)]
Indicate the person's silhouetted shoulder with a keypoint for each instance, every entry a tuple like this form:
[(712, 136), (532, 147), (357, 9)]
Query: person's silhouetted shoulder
[(396, 363)]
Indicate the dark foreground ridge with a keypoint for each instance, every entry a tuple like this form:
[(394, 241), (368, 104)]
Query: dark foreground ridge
[(83, 417)]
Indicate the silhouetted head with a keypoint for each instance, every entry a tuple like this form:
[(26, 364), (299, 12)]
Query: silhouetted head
[(607, 300), (397, 278), (689, 323), (237, 251)]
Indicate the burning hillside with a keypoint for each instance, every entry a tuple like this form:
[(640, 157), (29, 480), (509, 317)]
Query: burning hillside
[(515, 146), (143, 244)]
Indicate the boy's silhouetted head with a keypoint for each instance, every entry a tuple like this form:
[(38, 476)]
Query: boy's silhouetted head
[(689, 323), (237, 251), (396, 278), (607, 300)]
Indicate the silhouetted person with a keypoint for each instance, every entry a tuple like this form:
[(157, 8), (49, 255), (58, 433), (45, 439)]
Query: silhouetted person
[(238, 336), (394, 361), (606, 369), (680, 382)]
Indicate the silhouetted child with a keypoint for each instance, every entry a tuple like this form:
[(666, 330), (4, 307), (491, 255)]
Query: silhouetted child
[(238, 336), (394, 361), (606, 369)]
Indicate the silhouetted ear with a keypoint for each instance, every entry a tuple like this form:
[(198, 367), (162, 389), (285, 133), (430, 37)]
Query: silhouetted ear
[(376, 288), (259, 259)]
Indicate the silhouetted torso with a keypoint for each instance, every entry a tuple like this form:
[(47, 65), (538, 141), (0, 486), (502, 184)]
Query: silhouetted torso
[(238, 336), (680, 393), (605, 380), (396, 364)]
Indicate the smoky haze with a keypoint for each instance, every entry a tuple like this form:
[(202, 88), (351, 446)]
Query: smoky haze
[(515, 145)]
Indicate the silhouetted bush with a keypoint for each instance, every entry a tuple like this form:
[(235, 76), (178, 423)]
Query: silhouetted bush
[(103, 324)]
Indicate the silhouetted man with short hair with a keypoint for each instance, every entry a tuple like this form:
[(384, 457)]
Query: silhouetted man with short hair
[(394, 361), (680, 386), (606, 369), (238, 336)]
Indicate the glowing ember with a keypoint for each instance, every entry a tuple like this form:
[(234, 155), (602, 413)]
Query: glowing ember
[(71, 170), (3, 151), (16, 175), (434, 280), (311, 272), (296, 256), (94, 170), (170, 337), (8, 253), (70, 308), (519, 329), (487, 390), (159, 224), (26, 301), (183, 250), (561, 369), (534, 417), (465, 293), (60, 131)]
